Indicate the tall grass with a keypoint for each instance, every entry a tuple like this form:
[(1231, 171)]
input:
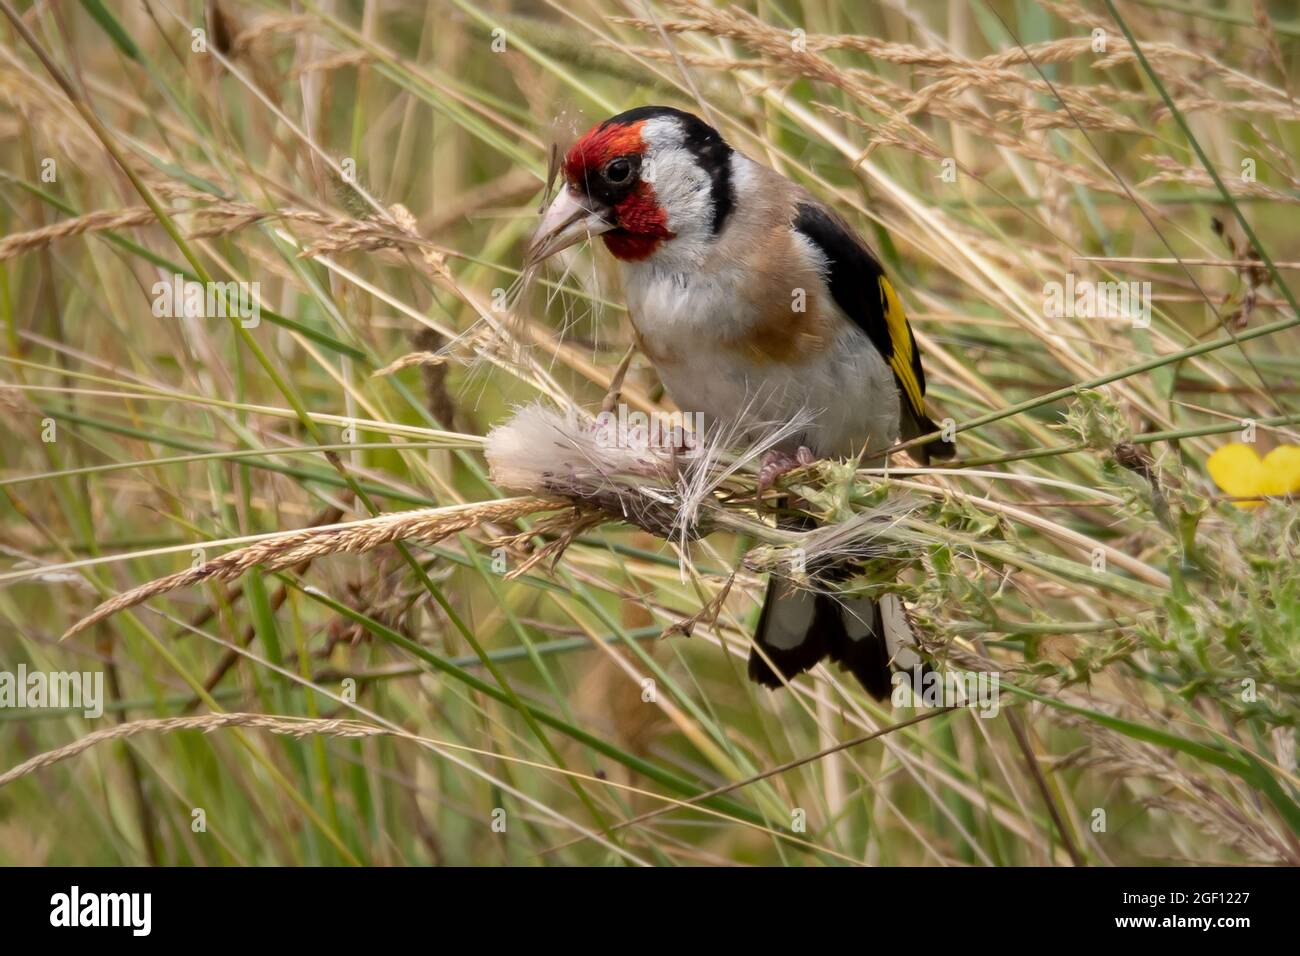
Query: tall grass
[(498, 678)]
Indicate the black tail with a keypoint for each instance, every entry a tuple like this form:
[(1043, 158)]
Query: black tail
[(797, 628), (914, 426)]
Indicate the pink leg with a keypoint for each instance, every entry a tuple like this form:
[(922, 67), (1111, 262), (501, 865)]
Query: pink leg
[(777, 463)]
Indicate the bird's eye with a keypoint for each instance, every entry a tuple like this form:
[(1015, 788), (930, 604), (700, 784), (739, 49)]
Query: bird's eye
[(618, 171)]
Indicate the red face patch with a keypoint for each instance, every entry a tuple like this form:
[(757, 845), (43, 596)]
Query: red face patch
[(597, 147), (642, 222)]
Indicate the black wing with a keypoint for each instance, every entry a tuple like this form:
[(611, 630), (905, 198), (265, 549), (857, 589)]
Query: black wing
[(861, 289)]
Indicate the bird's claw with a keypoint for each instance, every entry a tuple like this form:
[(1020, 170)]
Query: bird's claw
[(777, 463)]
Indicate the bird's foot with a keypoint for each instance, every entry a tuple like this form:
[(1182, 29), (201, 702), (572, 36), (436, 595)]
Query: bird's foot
[(777, 463), (681, 444)]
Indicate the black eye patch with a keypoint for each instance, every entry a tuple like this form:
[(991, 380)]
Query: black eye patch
[(613, 182), (617, 172)]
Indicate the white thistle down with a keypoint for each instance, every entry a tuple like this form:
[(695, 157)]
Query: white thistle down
[(670, 487)]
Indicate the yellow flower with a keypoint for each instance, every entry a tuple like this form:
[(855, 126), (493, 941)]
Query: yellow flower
[(1239, 472)]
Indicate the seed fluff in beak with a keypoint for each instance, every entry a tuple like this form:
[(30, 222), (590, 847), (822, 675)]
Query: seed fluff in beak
[(567, 221)]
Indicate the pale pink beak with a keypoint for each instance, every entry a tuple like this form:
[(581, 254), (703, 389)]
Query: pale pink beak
[(566, 222)]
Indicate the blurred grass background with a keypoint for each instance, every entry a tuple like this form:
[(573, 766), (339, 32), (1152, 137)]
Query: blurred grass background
[(375, 168)]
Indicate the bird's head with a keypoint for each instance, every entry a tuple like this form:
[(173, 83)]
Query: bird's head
[(646, 180)]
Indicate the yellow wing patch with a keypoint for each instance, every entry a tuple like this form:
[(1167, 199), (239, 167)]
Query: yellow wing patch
[(900, 338)]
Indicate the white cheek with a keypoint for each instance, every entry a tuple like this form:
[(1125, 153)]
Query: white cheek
[(683, 189), (684, 192)]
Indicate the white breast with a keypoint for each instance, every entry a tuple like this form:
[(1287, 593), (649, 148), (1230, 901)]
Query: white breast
[(848, 389)]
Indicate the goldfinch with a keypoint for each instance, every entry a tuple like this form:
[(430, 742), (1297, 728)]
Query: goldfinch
[(756, 304)]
